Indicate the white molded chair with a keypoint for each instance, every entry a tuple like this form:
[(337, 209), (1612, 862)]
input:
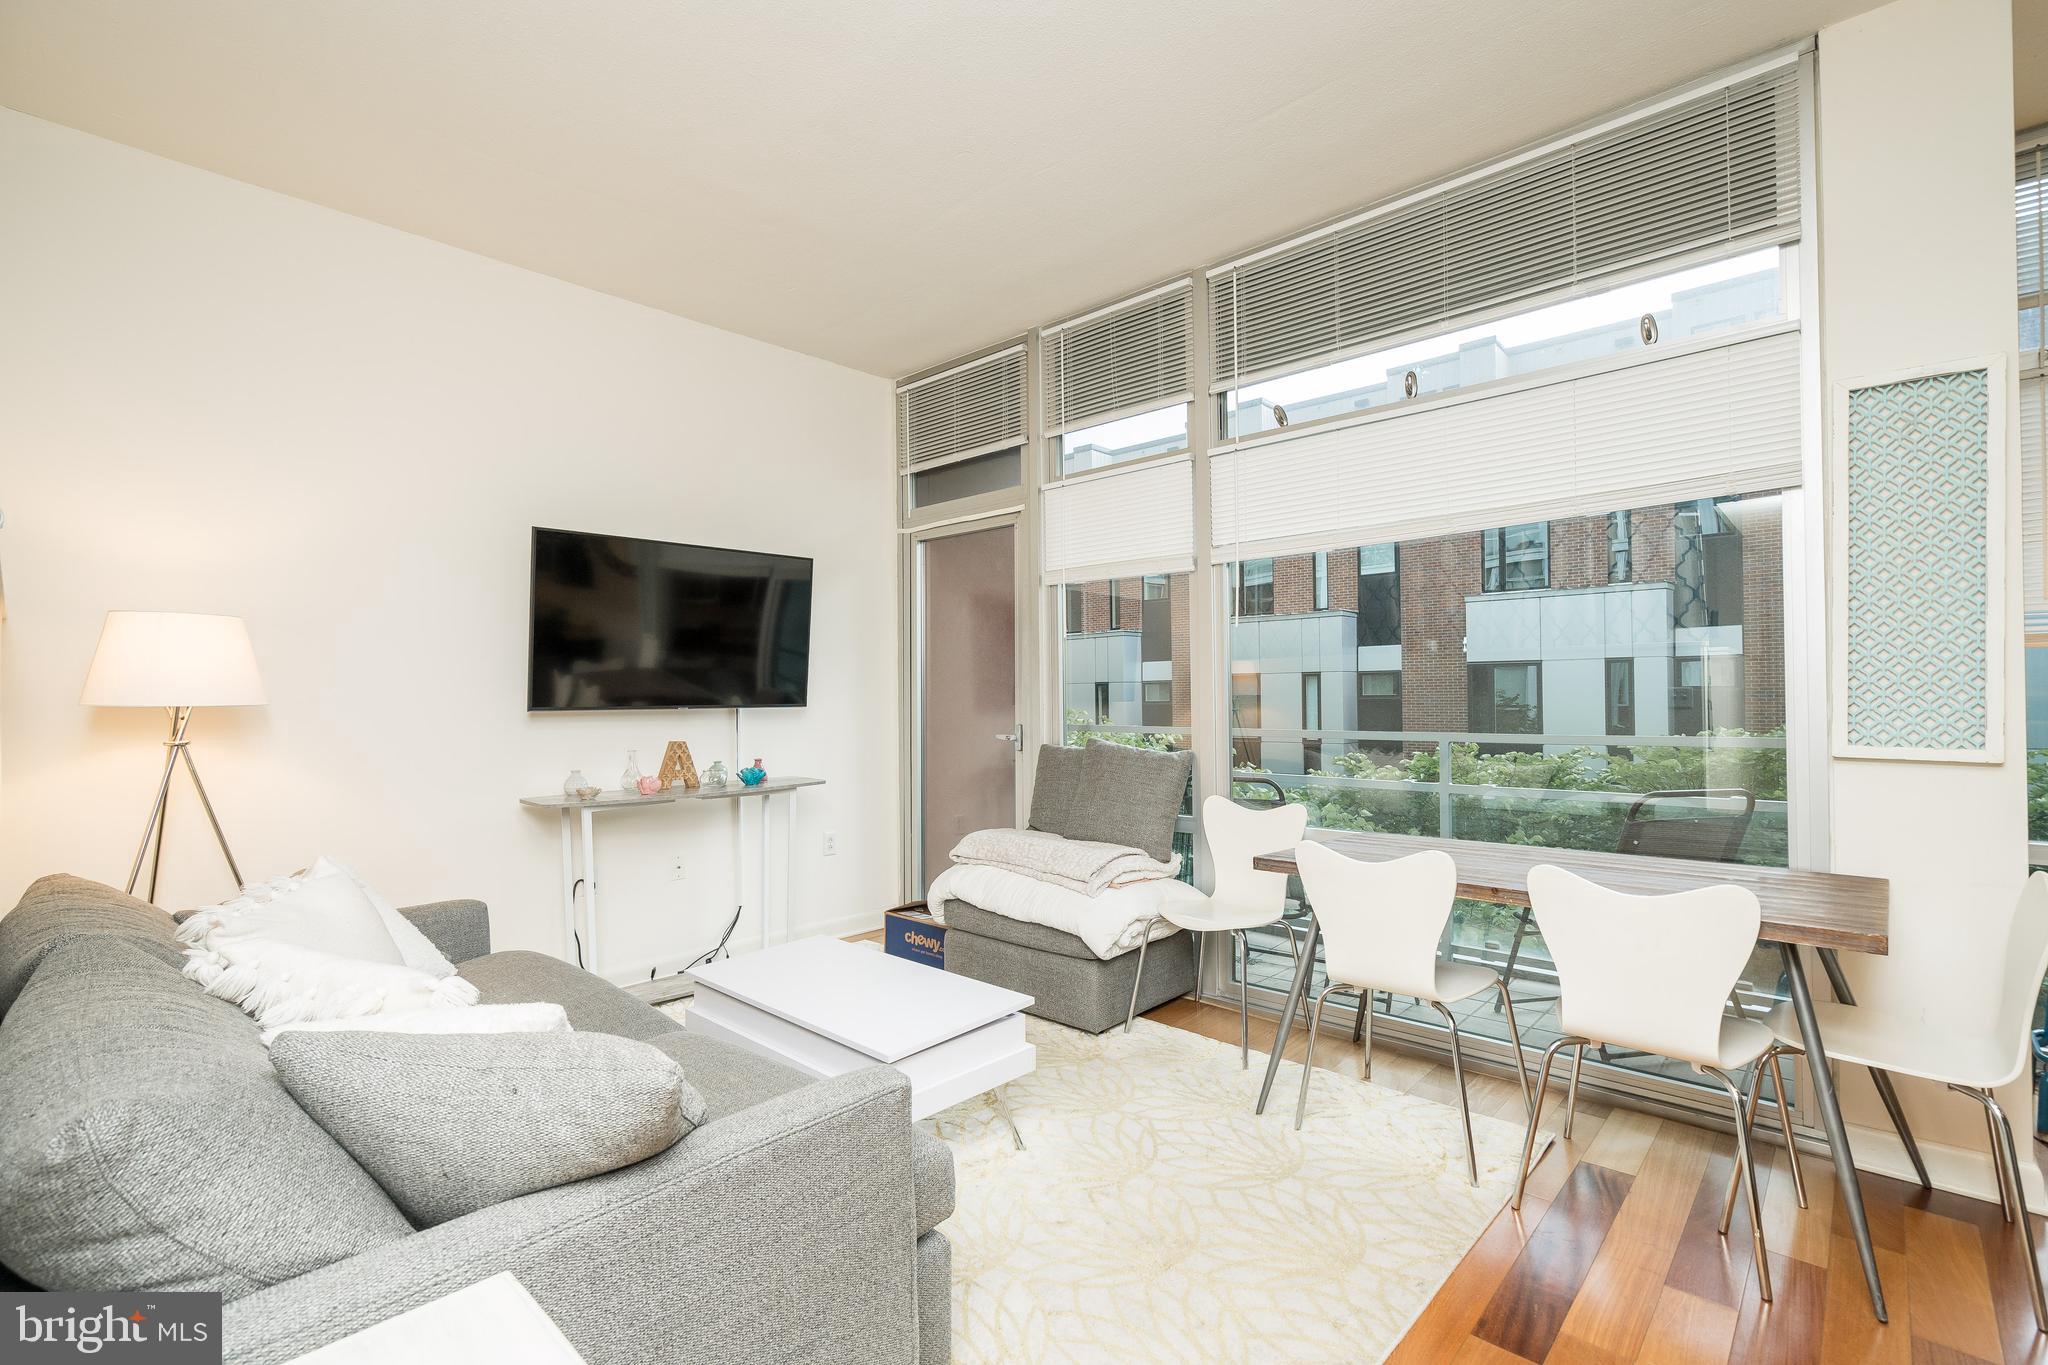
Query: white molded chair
[(1244, 897), (1653, 973), (1382, 923), (1972, 1057)]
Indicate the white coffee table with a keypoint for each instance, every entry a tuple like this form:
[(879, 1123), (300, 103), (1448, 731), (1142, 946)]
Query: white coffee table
[(827, 1007)]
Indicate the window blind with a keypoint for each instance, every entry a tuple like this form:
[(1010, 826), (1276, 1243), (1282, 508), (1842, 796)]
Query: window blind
[(1716, 168), (969, 410), (1121, 522), (1719, 419), (1128, 358), (2030, 215), (2033, 489)]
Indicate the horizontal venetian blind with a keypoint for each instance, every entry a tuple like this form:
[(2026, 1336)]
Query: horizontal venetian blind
[(1123, 522), (1718, 168), (2033, 489), (1125, 359), (2030, 214), (1723, 419), (969, 410)]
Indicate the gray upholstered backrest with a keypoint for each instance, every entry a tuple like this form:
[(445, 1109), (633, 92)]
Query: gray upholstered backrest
[(146, 1143), (1112, 794), (57, 909)]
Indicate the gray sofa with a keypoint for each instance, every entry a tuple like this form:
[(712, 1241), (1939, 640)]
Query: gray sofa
[(797, 1223), (1126, 796)]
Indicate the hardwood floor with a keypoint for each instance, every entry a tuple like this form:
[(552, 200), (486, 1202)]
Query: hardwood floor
[(1614, 1257)]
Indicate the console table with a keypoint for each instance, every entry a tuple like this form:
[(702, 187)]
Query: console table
[(579, 818)]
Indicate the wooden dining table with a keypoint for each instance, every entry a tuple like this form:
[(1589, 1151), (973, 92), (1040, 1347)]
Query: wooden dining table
[(1825, 911)]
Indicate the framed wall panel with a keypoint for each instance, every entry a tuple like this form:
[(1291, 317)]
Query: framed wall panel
[(1919, 514)]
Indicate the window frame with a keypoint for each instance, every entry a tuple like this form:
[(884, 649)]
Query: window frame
[(1494, 540)]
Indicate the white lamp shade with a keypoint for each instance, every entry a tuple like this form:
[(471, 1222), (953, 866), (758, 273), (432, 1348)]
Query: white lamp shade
[(173, 658)]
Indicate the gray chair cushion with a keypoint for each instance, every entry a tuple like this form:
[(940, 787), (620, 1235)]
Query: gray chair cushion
[(57, 909), (593, 1005), (145, 1142), (1054, 788), (455, 1122), (732, 1078), (970, 918), (1129, 796)]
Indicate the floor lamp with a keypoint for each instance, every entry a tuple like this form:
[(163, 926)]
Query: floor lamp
[(179, 661)]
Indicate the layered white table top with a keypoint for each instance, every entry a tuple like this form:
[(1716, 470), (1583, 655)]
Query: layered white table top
[(881, 1006)]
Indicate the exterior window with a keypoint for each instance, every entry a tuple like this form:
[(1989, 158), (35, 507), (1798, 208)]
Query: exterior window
[(1379, 595), (1506, 699), (1620, 562), (1311, 719), (1322, 580), (1127, 684), (966, 478), (1379, 701), (1515, 558), (1707, 584), (1720, 296), (1159, 432), (1255, 588), (1621, 696), (1245, 714)]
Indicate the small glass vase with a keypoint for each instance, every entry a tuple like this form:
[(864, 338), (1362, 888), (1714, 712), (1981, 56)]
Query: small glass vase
[(577, 787), (715, 775), (629, 781)]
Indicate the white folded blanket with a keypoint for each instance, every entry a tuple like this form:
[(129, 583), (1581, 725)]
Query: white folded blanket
[(1076, 864), (1110, 923)]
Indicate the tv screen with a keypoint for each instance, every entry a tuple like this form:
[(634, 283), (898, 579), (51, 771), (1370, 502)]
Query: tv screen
[(620, 623)]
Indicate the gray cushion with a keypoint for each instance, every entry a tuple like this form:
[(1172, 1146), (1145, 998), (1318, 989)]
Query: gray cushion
[(145, 1141), (1054, 788), (1129, 796), (57, 909), (732, 1079), (593, 1005), (456, 1122), (970, 918)]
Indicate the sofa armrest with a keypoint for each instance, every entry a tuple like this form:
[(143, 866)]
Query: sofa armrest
[(783, 1233), (460, 929)]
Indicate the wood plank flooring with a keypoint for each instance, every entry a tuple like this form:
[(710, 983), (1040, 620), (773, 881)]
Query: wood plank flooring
[(1614, 1257)]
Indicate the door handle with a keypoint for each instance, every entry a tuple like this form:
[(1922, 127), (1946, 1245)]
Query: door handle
[(1015, 739)]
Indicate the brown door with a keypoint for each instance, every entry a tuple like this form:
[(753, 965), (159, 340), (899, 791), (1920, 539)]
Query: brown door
[(967, 689)]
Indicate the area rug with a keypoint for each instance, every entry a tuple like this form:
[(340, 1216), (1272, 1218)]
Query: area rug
[(1153, 1217)]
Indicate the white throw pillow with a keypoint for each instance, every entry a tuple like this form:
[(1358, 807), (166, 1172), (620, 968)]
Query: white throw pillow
[(417, 950), (536, 1018), (308, 947), (328, 913)]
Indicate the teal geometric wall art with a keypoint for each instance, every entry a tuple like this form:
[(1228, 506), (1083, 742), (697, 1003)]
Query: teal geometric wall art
[(1920, 537)]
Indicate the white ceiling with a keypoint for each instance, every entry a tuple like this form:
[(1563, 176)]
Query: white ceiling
[(884, 183)]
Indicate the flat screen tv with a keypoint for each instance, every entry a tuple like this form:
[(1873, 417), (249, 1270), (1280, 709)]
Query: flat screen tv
[(621, 624)]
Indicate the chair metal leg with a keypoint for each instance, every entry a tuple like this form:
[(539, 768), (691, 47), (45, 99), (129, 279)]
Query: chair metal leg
[(1536, 1116), (1785, 1124), (1464, 1104), (2005, 1200), (1139, 979), (1201, 942), (1515, 1042), (2008, 1158), (1244, 1008), (1571, 1094), (1746, 1167), (1748, 1118), (1364, 1022), (1308, 1060), (1507, 971)]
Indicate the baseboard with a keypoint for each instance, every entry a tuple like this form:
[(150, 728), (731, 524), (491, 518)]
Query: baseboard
[(632, 973), (1958, 1170)]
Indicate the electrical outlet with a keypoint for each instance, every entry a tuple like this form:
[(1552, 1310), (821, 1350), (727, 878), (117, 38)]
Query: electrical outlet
[(831, 843), (678, 870)]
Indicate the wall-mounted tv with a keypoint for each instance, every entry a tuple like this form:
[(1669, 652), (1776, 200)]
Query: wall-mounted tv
[(622, 624)]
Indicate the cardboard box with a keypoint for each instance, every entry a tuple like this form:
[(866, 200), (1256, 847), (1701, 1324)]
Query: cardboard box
[(910, 932)]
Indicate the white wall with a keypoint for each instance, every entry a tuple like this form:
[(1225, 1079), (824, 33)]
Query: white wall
[(1915, 126), (215, 398)]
